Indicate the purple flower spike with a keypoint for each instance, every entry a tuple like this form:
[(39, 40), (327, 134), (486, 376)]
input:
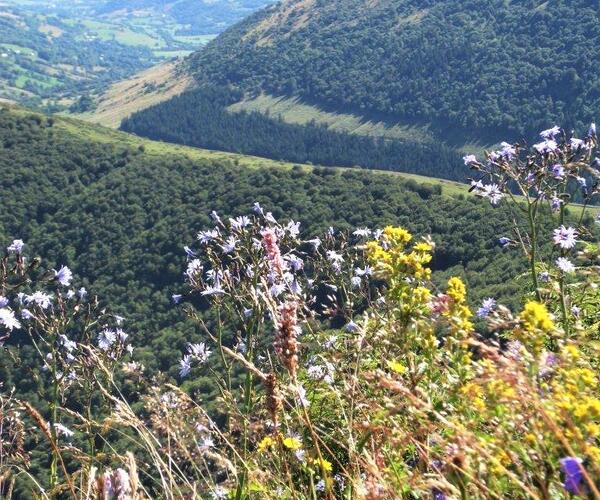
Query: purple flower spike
[(573, 471)]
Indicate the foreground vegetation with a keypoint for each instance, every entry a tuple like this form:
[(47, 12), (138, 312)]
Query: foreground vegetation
[(309, 367)]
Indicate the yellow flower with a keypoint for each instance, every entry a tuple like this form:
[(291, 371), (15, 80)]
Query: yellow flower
[(535, 316), (423, 247), (292, 443), (323, 464), (397, 367), (267, 442), (397, 235), (457, 290)]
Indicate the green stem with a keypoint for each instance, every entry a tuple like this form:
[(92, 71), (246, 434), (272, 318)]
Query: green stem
[(531, 213), (53, 474)]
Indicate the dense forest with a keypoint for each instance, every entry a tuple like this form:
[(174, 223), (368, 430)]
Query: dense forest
[(120, 216), (470, 68), (211, 125)]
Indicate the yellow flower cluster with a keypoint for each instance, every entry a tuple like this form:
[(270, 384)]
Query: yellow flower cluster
[(535, 316), (390, 258), (461, 313)]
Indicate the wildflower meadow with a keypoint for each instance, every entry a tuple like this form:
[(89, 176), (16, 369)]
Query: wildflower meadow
[(342, 370)]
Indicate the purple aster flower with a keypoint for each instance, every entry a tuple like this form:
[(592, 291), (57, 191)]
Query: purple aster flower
[(26, 314), (185, 366), (544, 276), (239, 223), (215, 217), (548, 146), (213, 290), (470, 160), (573, 471), (199, 351), (438, 495), (189, 252), (208, 236), (356, 281), (575, 311), (556, 203), (551, 133), (15, 247), (578, 144), (592, 130), (229, 245), (257, 208), (565, 237), (40, 299), (315, 243), (504, 241), (106, 339), (82, 292), (558, 171), (3, 301), (362, 232), (352, 327), (64, 276), (508, 150), (293, 228), (176, 298), (565, 265), (487, 306)]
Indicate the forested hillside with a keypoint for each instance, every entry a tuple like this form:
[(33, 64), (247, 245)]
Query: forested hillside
[(494, 67), (119, 210)]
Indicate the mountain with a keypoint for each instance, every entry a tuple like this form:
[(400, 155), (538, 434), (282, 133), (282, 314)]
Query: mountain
[(462, 73)]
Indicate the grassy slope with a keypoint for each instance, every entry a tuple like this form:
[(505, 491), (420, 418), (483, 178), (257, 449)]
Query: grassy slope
[(100, 133)]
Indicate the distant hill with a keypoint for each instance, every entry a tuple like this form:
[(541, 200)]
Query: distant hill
[(465, 73)]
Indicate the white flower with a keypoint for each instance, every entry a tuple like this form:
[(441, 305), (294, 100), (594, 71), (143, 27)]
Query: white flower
[(7, 318), (565, 237), (548, 146), (16, 246), (293, 228), (592, 130), (315, 243), (68, 344), (229, 245), (565, 265), (213, 290), (257, 208), (61, 430), (82, 293), (362, 232), (63, 276), (578, 144), (26, 314), (356, 281), (194, 267), (208, 236), (239, 223), (219, 493)]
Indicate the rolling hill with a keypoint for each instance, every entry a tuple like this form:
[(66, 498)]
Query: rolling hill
[(457, 73), (118, 209)]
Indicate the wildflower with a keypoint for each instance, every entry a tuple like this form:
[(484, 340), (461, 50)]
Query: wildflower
[(324, 464), (277, 289), (487, 306), (470, 160), (575, 311), (293, 228), (215, 217), (551, 133), (330, 342), (555, 203), (257, 208), (7, 318), (296, 263), (213, 290), (189, 252), (320, 486), (535, 316), (573, 471), (300, 455), (548, 146), (352, 327), (63, 276), (229, 245), (362, 232), (493, 193), (106, 339), (68, 344), (565, 265), (239, 223), (504, 241), (200, 351), (185, 366), (301, 396), (577, 144), (581, 181), (544, 276), (270, 243), (292, 443), (267, 442), (208, 236), (592, 130), (26, 314), (207, 444), (356, 281), (176, 298), (61, 430), (597, 219), (565, 237), (558, 171), (315, 243), (286, 344), (3, 301), (15, 247), (40, 299), (194, 267), (119, 319), (82, 293), (220, 493), (295, 287)]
